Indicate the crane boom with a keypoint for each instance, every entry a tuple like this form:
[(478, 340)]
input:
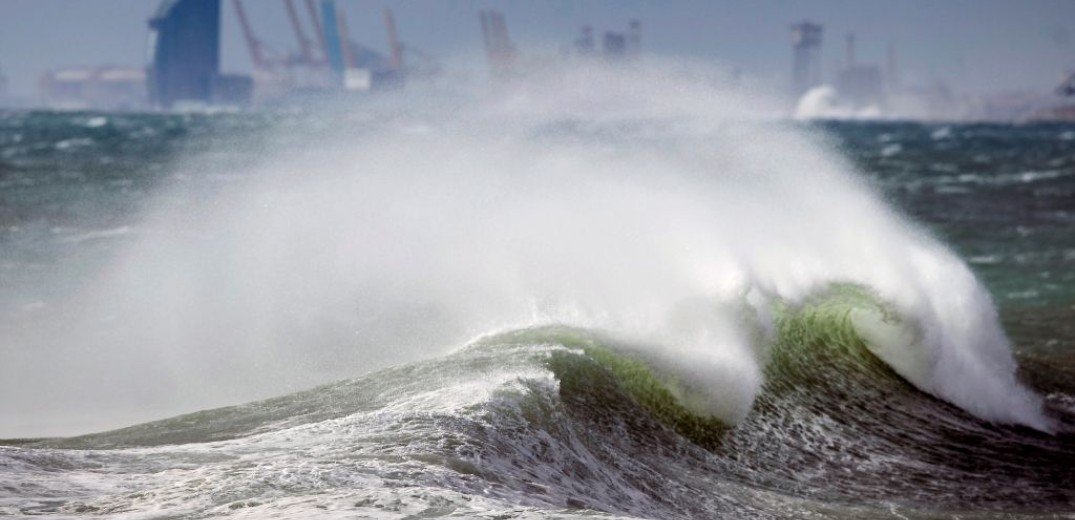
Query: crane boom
[(312, 10), (248, 33), (300, 34), (345, 40)]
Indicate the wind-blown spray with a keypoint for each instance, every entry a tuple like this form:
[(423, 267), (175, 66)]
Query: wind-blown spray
[(636, 201)]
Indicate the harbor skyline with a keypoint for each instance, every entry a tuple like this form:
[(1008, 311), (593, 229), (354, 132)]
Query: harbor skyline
[(974, 47)]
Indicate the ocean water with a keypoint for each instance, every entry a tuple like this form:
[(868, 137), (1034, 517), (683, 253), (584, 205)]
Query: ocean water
[(585, 298)]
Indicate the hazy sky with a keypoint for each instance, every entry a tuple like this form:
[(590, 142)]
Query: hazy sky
[(974, 45)]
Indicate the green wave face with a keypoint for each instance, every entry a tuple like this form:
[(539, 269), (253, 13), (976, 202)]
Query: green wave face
[(599, 370), (829, 321), (816, 345), (818, 359)]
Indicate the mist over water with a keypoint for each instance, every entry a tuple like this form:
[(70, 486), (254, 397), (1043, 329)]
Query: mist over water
[(659, 206)]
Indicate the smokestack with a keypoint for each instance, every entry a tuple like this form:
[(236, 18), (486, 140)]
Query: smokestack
[(634, 38), (393, 41), (892, 73), (498, 46), (806, 64), (585, 43), (850, 50)]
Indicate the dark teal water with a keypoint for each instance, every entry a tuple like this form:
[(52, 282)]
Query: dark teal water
[(1000, 194), (1003, 196)]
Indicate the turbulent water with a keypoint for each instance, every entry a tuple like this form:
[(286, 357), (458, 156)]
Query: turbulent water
[(586, 297)]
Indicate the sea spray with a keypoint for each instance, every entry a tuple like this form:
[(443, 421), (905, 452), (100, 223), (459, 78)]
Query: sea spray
[(595, 197)]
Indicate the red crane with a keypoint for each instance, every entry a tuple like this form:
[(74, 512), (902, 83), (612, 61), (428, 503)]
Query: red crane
[(306, 54), (312, 10), (257, 48), (345, 39)]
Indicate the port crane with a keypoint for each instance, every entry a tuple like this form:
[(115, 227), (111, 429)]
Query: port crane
[(277, 73), (319, 57), (264, 58), (307, 48)]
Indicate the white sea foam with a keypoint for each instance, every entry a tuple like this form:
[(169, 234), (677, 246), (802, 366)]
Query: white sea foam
[(97, 235)]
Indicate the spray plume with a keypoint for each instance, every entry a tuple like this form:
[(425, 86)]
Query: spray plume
[(641, 200)]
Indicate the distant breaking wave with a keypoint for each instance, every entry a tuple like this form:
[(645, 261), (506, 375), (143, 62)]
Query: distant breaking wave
[(823, 102)]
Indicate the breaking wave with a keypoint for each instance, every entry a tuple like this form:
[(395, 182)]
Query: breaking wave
[(681, 309)]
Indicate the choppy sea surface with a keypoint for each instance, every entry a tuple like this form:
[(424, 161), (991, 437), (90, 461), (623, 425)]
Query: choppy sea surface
[(532, 315)]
